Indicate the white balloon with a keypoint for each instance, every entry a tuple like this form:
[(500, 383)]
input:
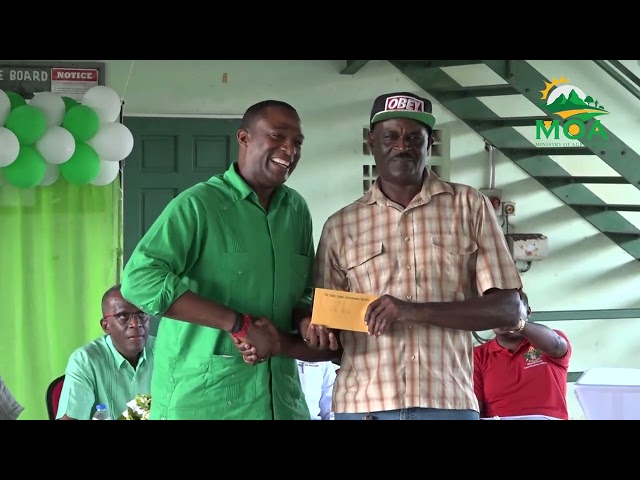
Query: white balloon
[(9, 147), (107, 174), (51, 174), (105, 101), (113, 142), (51, 105), (56, 145), (5, 107)]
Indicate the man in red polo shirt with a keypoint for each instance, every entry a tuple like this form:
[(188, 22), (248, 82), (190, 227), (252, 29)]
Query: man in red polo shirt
[(523, 372)]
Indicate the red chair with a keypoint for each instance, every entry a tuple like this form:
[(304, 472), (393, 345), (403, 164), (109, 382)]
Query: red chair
[(53, 396)]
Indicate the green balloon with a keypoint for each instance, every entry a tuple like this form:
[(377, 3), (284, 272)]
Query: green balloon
[(26, 171), (82, 121), (27, 123), (16, 100), (69, 103), (83, 166)]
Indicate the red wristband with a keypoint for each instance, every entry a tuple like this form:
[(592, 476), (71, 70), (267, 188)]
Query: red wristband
[(245, 327)]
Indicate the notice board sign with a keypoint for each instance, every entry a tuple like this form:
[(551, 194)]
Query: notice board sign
[(67, 79)]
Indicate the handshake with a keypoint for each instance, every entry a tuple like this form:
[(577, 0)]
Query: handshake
[(262, 340)]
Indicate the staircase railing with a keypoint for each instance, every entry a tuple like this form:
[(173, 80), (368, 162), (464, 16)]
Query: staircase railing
[(618, 72)]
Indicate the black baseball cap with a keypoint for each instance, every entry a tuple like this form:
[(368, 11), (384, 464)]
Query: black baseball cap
[(402, 105)]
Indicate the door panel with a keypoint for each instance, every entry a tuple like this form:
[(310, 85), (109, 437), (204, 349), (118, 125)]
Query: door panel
[(169, 155)]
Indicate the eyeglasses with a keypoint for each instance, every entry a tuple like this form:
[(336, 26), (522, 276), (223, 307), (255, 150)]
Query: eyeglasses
[(124, 318)]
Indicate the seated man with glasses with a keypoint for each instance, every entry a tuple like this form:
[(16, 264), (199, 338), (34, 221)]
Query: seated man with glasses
[(112, 369)]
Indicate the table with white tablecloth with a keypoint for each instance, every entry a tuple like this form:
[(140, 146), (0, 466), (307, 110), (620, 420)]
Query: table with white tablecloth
[(609, 393)]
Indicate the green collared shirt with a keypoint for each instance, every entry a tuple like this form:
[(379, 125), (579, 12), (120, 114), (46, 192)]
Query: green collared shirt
[(98, 374), (217, 241)]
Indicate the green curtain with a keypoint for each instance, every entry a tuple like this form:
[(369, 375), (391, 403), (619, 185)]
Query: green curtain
[(59, 249)]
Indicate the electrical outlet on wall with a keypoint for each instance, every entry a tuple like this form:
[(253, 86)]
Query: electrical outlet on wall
[(495, 196), (509, 208)]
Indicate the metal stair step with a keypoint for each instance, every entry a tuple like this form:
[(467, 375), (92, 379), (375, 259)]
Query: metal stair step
[(611, 222), (443, 94), (519, 153), (558, 180), (482, 123), (628, 235), (623, 238), (591, 208), (437, 63)]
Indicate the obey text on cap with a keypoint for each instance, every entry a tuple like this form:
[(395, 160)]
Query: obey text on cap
[(404, 103)]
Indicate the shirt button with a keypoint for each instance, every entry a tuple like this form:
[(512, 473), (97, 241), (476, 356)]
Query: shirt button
[(163, 418), (408, 297), (408, 267), (229, 402), (240, 272), (406, 239), (413, 357), (410, 327)]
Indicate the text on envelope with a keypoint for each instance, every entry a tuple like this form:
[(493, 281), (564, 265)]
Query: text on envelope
[(340, 310)]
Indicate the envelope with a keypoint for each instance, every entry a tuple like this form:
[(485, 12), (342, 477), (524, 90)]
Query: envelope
[(340, 310)]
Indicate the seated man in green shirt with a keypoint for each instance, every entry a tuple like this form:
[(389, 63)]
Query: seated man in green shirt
[(223, 254), (112, 369)]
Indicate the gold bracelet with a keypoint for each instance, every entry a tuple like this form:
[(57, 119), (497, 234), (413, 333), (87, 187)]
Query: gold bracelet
[(520, 326)]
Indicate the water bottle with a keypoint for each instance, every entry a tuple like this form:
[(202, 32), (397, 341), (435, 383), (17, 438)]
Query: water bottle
[(102, 413)]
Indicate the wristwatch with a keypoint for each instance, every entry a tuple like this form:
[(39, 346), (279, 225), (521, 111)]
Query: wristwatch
[(523, 321)]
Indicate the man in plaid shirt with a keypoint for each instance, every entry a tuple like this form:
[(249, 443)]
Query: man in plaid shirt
[(435, 255), (10, 409)]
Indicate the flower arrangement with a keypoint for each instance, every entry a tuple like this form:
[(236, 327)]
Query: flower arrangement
[(137, 409)]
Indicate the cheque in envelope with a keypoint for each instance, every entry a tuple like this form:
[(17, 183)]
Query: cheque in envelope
[(340, 310)]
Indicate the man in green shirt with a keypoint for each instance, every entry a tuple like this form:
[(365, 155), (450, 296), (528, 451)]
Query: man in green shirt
[(112, 369), (224, 254)]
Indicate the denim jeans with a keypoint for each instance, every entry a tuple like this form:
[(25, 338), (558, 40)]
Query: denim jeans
[(412, 414)]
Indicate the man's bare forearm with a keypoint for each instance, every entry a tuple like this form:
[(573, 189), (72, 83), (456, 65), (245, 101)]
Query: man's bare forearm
[(293, 346), (193, 308), (498, 309), (542, 337)]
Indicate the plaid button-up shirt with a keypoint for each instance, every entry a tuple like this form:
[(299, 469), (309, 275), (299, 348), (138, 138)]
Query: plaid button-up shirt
[(445, 246), (10, 409)]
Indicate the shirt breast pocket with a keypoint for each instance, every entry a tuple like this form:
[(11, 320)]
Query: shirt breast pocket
[(455, 256), (368, 268)]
